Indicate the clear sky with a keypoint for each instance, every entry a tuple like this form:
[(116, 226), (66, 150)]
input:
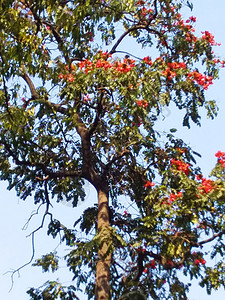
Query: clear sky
[(16, 247)]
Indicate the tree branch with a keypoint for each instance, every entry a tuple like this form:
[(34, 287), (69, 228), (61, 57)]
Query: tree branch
[(42, 166), (216, 235), (56, 34), (36, 96), (98, 115), (133, 28), (116, 158), (32, 234)]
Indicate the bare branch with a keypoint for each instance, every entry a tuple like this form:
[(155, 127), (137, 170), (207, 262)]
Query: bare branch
[(216, 235), (133, 28), (32, 234), (25, 226), (24, 265)]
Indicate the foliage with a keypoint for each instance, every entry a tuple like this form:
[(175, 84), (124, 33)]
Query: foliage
[(75, 106)]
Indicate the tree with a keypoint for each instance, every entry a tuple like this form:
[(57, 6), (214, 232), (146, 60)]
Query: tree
[(75, 107)]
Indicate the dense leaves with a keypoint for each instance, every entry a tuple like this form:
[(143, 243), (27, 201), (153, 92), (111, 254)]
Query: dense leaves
[(77, 104)]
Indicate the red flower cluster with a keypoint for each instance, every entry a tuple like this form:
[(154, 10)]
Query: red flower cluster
[(86, 64), (199, 176), (201, 79), (191, 19), (147, 60), (176, 65), (145, 12), (185, 27), (218, 61), (207, 186), (181, 150), (199, 261), (103, 64), (68, 77), (208, 37), (221, 157), (181, 166), (120, 66), (142, 103), (220, 154), (174, 197), (125, 66), (151, 264), (170, 73), (149, 184), (190, 37)]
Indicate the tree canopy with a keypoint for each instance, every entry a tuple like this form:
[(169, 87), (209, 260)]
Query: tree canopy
[(77, 104)]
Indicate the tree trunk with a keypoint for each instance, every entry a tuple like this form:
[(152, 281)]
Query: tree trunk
[(102, 286)]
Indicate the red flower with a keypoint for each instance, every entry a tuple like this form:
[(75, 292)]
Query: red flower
[(222, 162), (193, 19), (142, 103), (61, 76), (172, 197), (125, 213), (86, 98), (180, 150), (81, 65), (220, 154), (169, 263), (221, 157), (207, 186), (197, 261), (179, 194), (99, 63), (201, 79), (199, 177), (139, 102), (149, 184), (70, 78), (147, 60), (203, 262), (152, 264), (145, 270), (181, 166), (208, 37)]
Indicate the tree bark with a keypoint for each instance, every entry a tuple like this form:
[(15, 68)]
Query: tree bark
[(102, 283), (102, 286)]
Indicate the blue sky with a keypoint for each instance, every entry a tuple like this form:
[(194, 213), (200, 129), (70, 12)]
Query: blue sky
[(16, 247)]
